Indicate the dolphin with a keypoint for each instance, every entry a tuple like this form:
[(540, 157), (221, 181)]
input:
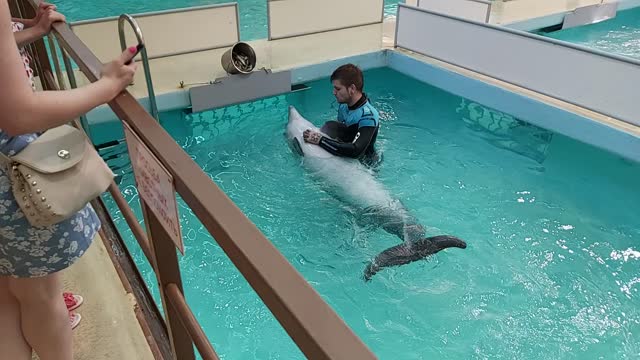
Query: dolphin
[(354, 183)]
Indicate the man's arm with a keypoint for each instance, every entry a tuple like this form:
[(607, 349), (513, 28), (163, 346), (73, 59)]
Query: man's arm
[(353, 149)]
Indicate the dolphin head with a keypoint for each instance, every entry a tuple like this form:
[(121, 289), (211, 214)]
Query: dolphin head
[(297, 124), (295, 127)]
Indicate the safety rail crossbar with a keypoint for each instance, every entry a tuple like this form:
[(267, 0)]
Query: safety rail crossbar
[(317, 330), (131, 220), (189, 321)]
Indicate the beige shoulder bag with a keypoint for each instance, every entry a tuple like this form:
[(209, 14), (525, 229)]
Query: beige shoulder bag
[(56, 175)]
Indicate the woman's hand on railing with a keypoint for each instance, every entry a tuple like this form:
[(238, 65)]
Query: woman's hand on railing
[(46, 18), (25, 111), (119, 75), (42, 8)]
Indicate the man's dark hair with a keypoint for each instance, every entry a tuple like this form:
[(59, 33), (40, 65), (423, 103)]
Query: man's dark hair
[(348, 75)]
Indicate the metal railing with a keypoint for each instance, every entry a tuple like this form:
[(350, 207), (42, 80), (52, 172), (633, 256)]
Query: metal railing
[(145, 59), (316, 329)]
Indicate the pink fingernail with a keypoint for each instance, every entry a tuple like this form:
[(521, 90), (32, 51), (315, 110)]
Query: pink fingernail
[(132, 49)]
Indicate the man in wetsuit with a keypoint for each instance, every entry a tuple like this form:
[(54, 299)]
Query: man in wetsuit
[(354, 134)]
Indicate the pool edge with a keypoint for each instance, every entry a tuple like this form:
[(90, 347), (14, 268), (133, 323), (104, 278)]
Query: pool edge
[(513, 101), (535, 111)]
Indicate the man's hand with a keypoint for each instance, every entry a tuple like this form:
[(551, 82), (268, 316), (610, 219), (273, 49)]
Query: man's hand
[(311, 137)]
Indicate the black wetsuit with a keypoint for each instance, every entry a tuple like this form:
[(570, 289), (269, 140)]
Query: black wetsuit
[(354, 134)]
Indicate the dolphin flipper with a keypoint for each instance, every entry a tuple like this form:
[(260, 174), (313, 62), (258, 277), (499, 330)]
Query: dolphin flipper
[(295, 146), (408, 252)]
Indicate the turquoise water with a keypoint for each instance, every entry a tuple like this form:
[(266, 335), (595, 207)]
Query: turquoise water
[(253, 13), (551, 270), (620, 35)]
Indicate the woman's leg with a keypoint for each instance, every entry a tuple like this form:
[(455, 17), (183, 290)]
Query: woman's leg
[(12, 343), (45, 319)]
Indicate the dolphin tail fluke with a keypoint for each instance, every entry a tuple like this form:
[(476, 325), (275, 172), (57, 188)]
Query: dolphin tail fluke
[(408, 252), (370, 270), (446, 241)]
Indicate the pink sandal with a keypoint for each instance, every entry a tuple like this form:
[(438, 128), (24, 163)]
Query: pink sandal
[(72, 301), (74, 320)]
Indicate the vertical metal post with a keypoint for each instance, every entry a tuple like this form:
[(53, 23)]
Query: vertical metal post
[(56, 62), (69, 68), (14, 8), (168, 272), (269, 20)]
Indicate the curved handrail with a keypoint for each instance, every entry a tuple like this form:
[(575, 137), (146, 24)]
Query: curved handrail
[(145, 59)]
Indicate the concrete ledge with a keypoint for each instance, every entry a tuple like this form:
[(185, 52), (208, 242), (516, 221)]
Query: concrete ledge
[(532, 15)]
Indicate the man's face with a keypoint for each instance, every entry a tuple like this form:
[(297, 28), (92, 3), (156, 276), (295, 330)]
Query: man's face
[(342, 93)]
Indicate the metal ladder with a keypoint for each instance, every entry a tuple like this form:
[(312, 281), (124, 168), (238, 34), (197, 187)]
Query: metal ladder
[(145, 59)]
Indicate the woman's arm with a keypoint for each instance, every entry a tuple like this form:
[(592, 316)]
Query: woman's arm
[(42, 28), (26, 22), (22, 111), (27, 36), (42, 7)]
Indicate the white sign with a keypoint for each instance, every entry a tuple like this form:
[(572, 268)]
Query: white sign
[(155, 186)]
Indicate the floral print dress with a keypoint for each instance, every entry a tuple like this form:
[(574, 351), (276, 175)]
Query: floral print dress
[(27, 251)]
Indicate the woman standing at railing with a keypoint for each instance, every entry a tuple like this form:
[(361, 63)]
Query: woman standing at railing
[(26, 31), (32, 312)]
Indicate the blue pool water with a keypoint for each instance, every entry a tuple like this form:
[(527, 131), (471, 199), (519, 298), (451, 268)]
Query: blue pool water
[(551, 270), (620, 35), (253, 13)]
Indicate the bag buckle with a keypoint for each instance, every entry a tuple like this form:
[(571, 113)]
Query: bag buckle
[(64, 154)]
